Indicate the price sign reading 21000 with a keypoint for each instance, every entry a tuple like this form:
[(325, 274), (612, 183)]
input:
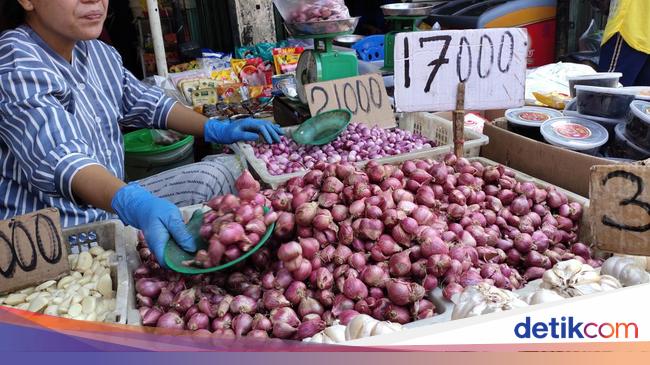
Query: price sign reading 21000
[(429, 66)]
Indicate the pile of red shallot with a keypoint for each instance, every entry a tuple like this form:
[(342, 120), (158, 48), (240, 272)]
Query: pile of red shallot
[(373, 241), (316, 11), (356, 144), (234, 225)]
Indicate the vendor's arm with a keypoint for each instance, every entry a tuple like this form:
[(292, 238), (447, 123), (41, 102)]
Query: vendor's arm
[(42, 133), (187, 121), (157, 218), (95, 186)]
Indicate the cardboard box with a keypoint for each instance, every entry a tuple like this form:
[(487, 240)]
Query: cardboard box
[(32, 250), (558, 166)]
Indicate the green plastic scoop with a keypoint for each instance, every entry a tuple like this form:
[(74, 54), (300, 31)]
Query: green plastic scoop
[(323, 128), (175, 256)]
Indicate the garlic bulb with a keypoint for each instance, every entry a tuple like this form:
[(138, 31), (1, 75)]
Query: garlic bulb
[(542, 296), (360, 326), (642, 261), (383, 328), (626, 269), (335, 333), (317, 338), (484, 299), (329, 335), (572, 279)]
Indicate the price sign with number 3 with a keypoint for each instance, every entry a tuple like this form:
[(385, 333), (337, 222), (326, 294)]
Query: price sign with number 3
[(430, 65), (620, 208)]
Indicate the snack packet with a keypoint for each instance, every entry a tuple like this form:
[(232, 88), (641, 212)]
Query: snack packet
[(230, 93), (285, 60), (253, 72)]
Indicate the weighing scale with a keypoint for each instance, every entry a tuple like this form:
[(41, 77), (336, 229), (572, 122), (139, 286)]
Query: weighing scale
[(403, 18), (323, 63)]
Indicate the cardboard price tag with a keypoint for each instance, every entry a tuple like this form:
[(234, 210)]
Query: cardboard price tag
[(620, 208), (365, 96), (430, 65), (31, 250)]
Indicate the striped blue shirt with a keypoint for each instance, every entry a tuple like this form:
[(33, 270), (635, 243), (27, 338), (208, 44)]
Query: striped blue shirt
[(57, 117)]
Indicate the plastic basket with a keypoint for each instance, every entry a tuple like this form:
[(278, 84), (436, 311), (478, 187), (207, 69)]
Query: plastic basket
[(370, 48), (429, 125), (110, 235)]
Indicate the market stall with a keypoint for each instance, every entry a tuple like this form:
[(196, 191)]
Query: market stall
[(379, 211)]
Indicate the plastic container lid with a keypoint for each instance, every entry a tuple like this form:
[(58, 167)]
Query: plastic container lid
[(596, 76), (531, 116), (642, 92), (141, 142), (641, 109), (600, 120), (605, 90), (576, 134)]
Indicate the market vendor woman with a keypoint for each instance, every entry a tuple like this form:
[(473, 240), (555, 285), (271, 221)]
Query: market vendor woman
[(63, 97)]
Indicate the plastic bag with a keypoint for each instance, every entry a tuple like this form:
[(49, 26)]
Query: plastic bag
[(246, 52), (300, 11), (176, 78), (265, 50), (166, 137), (214, 63), (591, 39)]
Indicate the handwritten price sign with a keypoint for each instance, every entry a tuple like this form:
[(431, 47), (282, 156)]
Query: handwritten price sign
[(620, 208), (31, 250), (364, 96), (430, 65)]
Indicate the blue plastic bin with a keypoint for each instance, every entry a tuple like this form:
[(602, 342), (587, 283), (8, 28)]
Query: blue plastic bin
[(370, 48)]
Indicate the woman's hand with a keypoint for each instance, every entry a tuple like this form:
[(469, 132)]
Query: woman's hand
[(157, 218), (244, 130)]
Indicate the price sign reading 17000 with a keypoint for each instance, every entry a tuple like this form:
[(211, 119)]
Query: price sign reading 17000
[(429, 66)]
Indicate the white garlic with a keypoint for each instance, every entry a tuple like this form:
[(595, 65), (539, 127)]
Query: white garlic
[(542, 296), (52, 310), (64, 282), (336, 333), (383, 328), (38, 304), (72, 260), (85, 262), (483, 299), (360, 326), (46, 285), (27, 291), (15, 299), (105, 286), (89, 304), (627, 270), (572, 278), (96, 251), (75, 310)]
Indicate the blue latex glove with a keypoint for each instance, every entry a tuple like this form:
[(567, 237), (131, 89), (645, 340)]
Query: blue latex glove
[(243, 130), (157, 218)]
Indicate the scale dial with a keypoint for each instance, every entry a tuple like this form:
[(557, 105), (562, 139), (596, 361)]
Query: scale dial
[(306, 73)]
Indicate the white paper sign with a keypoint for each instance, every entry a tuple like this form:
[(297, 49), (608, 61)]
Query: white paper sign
[(430, 65)]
